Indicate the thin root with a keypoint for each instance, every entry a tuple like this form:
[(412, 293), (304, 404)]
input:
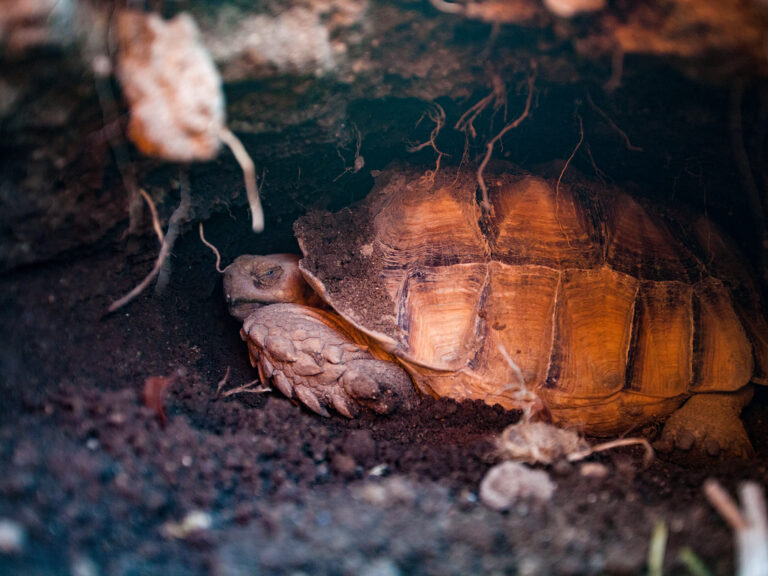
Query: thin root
[(249, 174), (437, 115), (359, 162), (613, 125), (179, 215), (249, 388), (573, 153), (223, 381), (647, 457), (153, 211), (489, 147), (215, 251)]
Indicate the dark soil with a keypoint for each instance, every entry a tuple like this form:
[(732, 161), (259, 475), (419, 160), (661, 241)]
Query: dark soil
[(96, 483)]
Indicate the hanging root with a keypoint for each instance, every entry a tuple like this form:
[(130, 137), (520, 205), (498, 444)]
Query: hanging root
[(179, 215), (249, 174), (437, 115), (750, 523), (567, 162), (498, 97), (359, 162), (489, 146), (153, 211), (213, 249), (613, 125)]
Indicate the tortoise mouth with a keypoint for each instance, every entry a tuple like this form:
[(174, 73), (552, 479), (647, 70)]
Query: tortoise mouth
[(242, 308)]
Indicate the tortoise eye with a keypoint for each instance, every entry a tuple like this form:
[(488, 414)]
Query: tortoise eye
[(264, 278)]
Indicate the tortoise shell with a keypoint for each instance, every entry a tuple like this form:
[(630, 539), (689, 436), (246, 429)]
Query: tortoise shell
[(576, 298)]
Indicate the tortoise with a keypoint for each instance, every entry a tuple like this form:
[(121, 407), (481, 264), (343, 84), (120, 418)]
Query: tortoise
[(575, 303)]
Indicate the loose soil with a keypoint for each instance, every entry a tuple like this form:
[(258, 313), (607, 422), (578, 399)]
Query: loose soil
[(97, 483)]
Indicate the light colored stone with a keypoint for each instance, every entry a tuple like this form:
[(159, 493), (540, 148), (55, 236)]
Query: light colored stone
[(510, 482)]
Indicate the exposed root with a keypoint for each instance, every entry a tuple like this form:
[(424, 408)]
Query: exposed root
[(252, 387), (223, 381), (437, 115), (179, 215), (613, 125), (153, 211), (249, 174), (164, 276), (359, 162), (542, 443), (498, 97), (215, 250), (598, 172), (648, 456), (750, 524), (491, 143), (573, 153)]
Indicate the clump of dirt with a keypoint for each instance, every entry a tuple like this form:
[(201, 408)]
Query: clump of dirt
[(339, 249)]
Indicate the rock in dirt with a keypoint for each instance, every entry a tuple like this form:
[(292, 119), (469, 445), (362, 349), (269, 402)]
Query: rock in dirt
[(509, 482), (12, 536)]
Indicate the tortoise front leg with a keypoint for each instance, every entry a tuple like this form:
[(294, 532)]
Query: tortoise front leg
[(305, 353), (709, 424)]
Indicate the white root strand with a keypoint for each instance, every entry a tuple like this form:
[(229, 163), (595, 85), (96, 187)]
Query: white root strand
[(213, 248), (249, 174)]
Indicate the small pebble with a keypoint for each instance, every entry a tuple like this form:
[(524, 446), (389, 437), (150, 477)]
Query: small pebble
[(381, 567), (593, 470), (195, 521), (509, 482), (13, 536)]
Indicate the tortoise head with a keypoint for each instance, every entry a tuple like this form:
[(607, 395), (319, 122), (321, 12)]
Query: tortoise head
[(251, 281)]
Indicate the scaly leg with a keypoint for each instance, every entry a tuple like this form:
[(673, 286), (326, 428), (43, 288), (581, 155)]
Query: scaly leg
[(709, 423), (308, 355)]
